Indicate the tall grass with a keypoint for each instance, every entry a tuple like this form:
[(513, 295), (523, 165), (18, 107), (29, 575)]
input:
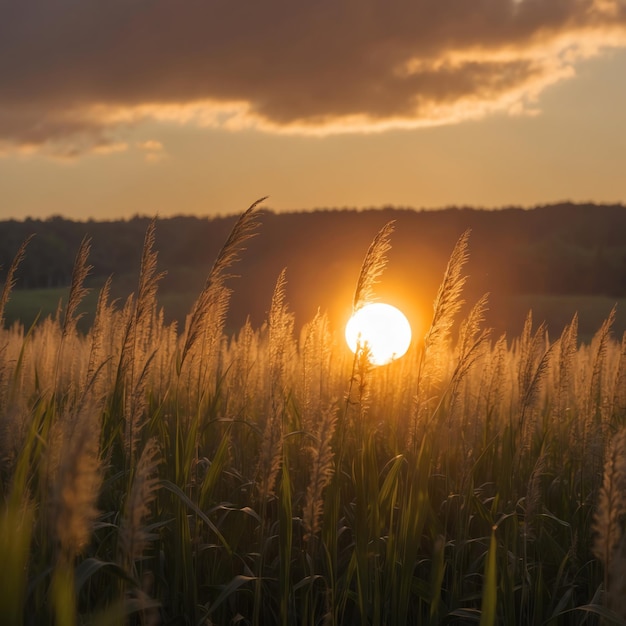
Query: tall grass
[(150, 475)]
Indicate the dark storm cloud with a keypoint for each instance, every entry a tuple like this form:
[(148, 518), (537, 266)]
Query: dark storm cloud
[(76, 71)]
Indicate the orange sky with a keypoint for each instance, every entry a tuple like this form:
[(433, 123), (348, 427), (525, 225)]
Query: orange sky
[(112, 108)]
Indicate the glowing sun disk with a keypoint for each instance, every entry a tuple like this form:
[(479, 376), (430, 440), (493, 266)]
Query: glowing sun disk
[(383, 329)]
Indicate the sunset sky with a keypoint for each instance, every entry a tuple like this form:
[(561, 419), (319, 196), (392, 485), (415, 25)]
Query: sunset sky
[(110, 108)]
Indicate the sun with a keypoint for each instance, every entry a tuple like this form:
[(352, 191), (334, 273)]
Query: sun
[(383, 328)]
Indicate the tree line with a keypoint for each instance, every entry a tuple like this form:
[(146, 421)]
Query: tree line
[(557, 249)]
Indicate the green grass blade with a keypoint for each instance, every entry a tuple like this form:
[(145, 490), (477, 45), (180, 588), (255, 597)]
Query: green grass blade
[(177, 491), (15, 539), (285, 544), (490, 588)]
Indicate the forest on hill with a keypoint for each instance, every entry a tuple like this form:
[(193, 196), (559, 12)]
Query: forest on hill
[(567, 250)]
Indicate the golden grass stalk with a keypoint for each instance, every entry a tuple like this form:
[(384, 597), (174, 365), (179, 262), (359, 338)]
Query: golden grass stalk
[(71, 316), (280, 327), (140, 317), (565, 372), (77, 289), (600, 344), (213, 300), (596, 400), (9, 283), (496, 374), (102, 317), (611, 508), (134, 410), (373, 266), (618, 403), (243, 353), (472, 345), (447, 304), (534, 365), (448, 301), (315, 354), (281, 348), (127, 319), (271, 453), (134, 537), (148, 279), (322, 470), (532, 501), (137, 350), (75, 488), (472, 338)]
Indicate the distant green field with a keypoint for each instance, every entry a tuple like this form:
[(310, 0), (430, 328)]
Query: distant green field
[(178, 291), (506, 314), (28, 305)]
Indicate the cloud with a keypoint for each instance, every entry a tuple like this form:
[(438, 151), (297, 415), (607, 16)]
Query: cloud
[(151, 145), (75, 75), (153, 150)]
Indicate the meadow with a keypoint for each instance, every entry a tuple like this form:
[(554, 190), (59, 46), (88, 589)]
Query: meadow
[(156, 474)]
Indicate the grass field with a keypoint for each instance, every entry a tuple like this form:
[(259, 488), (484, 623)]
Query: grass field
[(150, 475)]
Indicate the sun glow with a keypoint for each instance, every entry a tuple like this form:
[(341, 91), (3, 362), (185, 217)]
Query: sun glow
[(382, 329)]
